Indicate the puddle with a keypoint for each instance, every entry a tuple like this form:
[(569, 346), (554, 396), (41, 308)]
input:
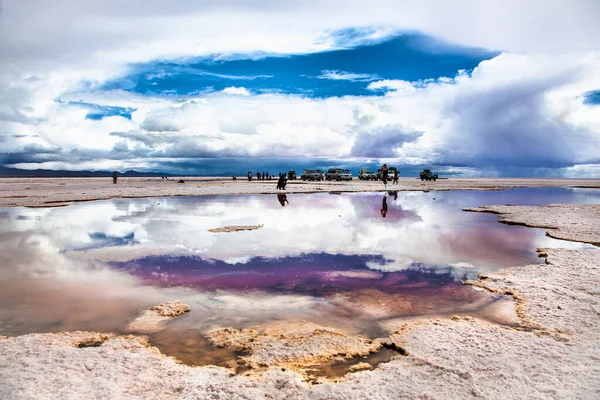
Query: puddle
[(340, 366), (192, 348), (361, 263)]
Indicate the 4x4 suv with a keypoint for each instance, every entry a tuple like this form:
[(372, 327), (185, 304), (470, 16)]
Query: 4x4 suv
[(427, 175), (366, 175), (312, 175), (338, 174)]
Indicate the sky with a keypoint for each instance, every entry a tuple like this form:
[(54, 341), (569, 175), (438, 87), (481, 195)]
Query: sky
[(466, 88)]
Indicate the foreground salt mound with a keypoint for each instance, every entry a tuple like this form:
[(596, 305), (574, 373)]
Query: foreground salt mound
[(459, 359), (155, 318), (292, 345), (576, 222), (55, 366), (562, 295)]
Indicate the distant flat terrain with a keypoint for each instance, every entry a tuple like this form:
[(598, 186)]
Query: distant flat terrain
[(52, 192)]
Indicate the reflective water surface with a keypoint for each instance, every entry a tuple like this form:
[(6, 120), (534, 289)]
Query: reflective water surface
[(361, 263)]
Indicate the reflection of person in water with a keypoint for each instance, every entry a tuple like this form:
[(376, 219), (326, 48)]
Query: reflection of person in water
[(384, 206), (282, 199), (393, 193)]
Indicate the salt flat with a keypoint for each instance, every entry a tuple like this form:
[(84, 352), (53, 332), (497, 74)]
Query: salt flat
[(553, 354), (49, 192)]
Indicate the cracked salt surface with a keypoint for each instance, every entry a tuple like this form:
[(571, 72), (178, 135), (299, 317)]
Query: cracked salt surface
[(331, 260)]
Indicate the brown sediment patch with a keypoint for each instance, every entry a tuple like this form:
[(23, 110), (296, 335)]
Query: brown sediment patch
[(337, 369), (235, 228), (170, 309), (360, 366), (317, 353), (95, 340), (300, 350), (155, 319)]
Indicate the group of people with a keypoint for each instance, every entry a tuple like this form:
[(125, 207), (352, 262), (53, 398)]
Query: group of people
[(260, 176)]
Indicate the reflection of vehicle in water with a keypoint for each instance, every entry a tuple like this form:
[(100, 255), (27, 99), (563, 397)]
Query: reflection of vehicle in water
[(427, 175), (282, 199), (291, 175), (366, 175), (338, 174), (390, 176), (312, 175)]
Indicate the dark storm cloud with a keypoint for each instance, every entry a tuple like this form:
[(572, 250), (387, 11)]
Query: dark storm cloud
[(509, 125), (382, 142), (31, 154), (173, 145), (159, 124)]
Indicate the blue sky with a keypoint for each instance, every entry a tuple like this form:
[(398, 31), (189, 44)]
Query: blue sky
[(226, 87), (592, 97), (342, 72)]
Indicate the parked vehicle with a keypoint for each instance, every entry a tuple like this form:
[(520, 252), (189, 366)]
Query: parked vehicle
[(366, 175), (291, 175), (312, 175), (390, 176), (338, 174), (427, 175)]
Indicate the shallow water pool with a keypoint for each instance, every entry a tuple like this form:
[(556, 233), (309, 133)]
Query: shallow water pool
[(361, 263)]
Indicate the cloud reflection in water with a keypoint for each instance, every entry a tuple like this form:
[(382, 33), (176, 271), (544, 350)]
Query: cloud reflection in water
[(327, 258)]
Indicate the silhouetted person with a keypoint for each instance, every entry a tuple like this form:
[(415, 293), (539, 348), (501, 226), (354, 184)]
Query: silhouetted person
[(258, 175), (268, 176), (282, 199), (281, 182), (384, 175), (115, 177), (263, 176), (384, 206), (396, 176), (249, 175)]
